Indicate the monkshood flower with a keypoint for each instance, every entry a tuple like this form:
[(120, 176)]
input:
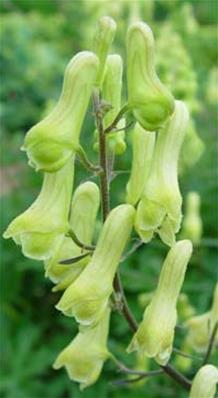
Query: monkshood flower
[(87, 297), (149, 99), (155, 335), (103, 39), (41, 228), (159, 210), (84, 208), (192, 223), (111, 92), (204, 383), (143, 147), (51, 142), (200, 327), (84, 357)]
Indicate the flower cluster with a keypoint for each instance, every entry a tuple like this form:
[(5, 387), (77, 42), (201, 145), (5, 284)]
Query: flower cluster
[(60, 226)]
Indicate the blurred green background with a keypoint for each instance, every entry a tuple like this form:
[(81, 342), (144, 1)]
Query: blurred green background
[(38, 37)]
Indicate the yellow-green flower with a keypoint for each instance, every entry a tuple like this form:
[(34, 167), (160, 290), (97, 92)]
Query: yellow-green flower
[(103, 39), (204, 383), (84, 208), (87, 297), (111, 92), (84, 357), (143, 148), (41, 228), (159, 210), (201, 327), (149, 99), (51, 142), (192, 223), (155, 335)]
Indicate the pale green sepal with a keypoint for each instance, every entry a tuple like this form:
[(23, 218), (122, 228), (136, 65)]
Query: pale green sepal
[(155, 335), (103, 39), (41, 228), (201, 327), (204, 383), (51, 142), (192, 222), (159, 210), (84, 208), (87, 298), (84, 357), (149, 99), (143, 147)]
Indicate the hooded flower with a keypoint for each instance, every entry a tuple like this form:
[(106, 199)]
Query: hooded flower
[(143, 148), (41, 228), (84, 208), (160, 207), (192, 223), (149, 99), (103, 39), (204, 383), (111, 92), (201, 327), (84, 357), (50, 143), (87, 298), (155, 335)]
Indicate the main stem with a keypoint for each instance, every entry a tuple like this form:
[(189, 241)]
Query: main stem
[(104, 185), (105, 202)]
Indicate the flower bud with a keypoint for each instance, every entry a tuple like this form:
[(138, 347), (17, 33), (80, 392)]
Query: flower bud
[(159, 210), (50, 143), (192, 149), (200, 327), (149, 99), (111, 92), (143, 147), (155, 334), (87, 298), (41, 228), (204, 383), (84, 357), (103, 39), (192, 224), (84, 208)]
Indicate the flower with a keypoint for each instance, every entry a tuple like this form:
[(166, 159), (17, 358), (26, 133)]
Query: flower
[(51, 142), (200, 327), (160, 207), (149, 99), (143, 147), (111, 92), (84, 208), (41, 228), (192, 223), (154, 337), (84, 357), (87, 297), (204, 383), (103, 39)]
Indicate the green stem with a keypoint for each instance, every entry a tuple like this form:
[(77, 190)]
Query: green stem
[(105, 200), (104, 185), (73, 236), (86, 162), (113, 125), (210, 344)]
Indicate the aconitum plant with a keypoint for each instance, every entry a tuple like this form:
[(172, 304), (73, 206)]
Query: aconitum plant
[(59, 227)]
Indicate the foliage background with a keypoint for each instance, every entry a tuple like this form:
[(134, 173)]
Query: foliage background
[(38, 37)]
